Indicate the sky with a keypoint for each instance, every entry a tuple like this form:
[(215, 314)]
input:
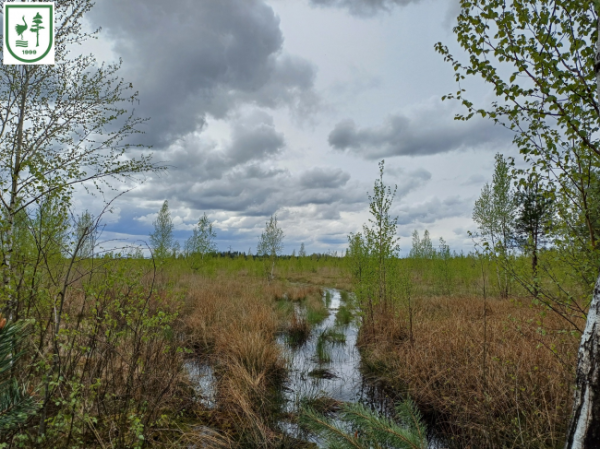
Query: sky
[(262, 107)]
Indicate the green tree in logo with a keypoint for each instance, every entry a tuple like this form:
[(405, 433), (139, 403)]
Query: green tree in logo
[(37, 27)]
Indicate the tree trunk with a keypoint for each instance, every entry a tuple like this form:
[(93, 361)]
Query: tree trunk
[(410, 323), (584, 428), (534, 271), (7, 250)]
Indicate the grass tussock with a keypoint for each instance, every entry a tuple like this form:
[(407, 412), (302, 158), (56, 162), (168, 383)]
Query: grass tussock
[(234, 320), (316, 311), (344, 297), (317, 315), (328, 298), (334, 336), (387, 327), (302, 292), (298, 330), (321, 403), (509, 388), (322, 354), (214, 305), (343, 316)]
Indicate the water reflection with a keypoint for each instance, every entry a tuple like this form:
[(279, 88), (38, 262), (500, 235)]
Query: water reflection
[(203, 378), (310, 378), (340, 378)]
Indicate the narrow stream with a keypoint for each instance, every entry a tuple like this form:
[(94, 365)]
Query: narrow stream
[(340, 378), (324, 367), (328, 369)]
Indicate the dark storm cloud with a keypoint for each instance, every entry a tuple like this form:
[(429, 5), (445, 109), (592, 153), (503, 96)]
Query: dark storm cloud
[(257, 191), (430, 130), (435, 209), (191, 58), (363, 7), (321, 178), (253, 190), (408, 182), (192, 159), (241, 176), (254, 141)]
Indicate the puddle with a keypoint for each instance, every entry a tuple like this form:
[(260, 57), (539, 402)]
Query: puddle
[(205, 383)]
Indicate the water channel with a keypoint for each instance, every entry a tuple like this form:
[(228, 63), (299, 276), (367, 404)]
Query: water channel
[(320, 367), (330, 371)]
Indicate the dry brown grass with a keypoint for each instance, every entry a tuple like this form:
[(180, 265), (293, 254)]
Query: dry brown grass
[(385, 330), (115, 371), (298, 329), (302, 292), (318, 274), (234, 321), (518, 398), (215, 305)]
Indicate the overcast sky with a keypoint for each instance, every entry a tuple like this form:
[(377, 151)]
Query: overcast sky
[(286, 106)]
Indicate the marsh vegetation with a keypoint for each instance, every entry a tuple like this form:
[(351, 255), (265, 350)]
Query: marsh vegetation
[(162, 347)]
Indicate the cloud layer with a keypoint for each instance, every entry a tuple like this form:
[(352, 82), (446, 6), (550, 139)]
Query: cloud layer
[(429, 130), (203, 57), (224, 94), (434, 210), (363, 7)]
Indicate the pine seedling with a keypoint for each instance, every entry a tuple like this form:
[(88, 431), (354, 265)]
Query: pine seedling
[(334, 435), (16, 404), (359, 427)]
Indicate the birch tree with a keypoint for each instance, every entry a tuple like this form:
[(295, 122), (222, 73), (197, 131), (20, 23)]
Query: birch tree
[(161, 239), (201, 242), (584, 428), (422, 248), (86, 235), (302, 252), (270, 243), (371, 252), (532, 224), (61, 126), (494, 213), (543, 60), (380, 234)]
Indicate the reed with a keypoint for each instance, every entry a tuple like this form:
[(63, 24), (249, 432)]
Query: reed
[(316, 311), (521, 399), (298, 330), (334, 336), (343, 316), (321, 350)]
